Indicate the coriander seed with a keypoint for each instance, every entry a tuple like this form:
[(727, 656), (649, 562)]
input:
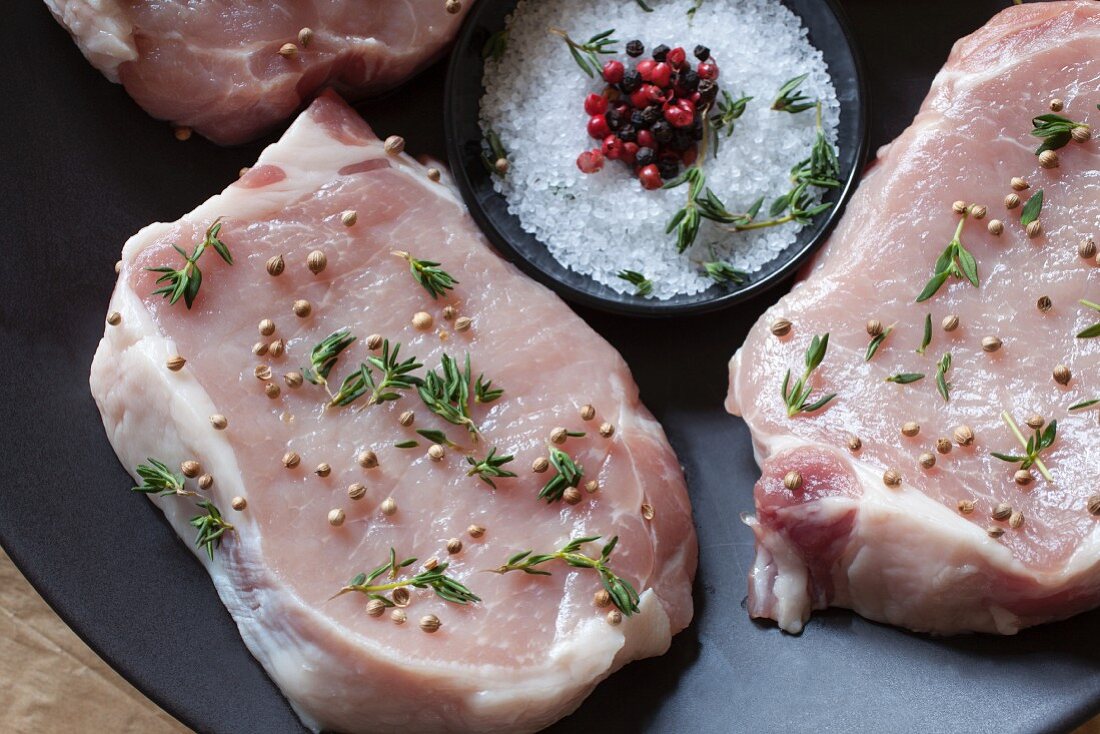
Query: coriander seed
[(1087, 248), (374, 342), (349, 218), (1001, 511), (592, 486), (614, 617), (1016, 519), (219, 422), (950, 322), (302, 308), (540, 465), (376, 607), (239, 503), (435, 452), (463, 323), (388, 506), (1035, 421), (1062, 375), (191, 468), (454, 545), (1012, 201), (394, 145), (910, 429), (401, 597), (1093, 504), (1022, 477), (943, 445), (434, 175), (336, 517), (995, 532), (964, 436), (291, 459), (272, 390), (959, 207), (277, 347), (1034, 229), (854, 443), (449, 313), (305, 36), (398, 616), (781, 327), (891, 478), (874, 327), (475, 531), (114, 318), (991, 344), (323, 470), (430, 623), (966, 506), (206, 481), (176, 363), (422, 320), (293, 380), (571, 495), (792, 481), (601, 599), (275, 266), (587, 412), (978, 211), (607, 430), (316, 261), (558, 435), (995, 227), (1056, 105), (356, 491), (262, 372), (407, 418), (453, 6), (1081, 134), (367, 459), (288, 50), (1048, 159), (1044, 304), (1019, 184), (267, 327), (927, 459)]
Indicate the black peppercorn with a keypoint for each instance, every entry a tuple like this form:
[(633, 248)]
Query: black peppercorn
[(669, 168), (702, 53), (660, 53), (651, 114), (637, 120), (628, 134), (708, 90), (688, 80), (662, 131), (645, 156), (682, 139), (614, 119), (632, 80), (635, 49)]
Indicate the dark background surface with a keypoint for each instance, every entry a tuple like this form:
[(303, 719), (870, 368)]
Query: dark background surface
[(85, 168)]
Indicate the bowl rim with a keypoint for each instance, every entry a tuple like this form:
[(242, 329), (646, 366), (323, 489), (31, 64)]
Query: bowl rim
[(646, 307)]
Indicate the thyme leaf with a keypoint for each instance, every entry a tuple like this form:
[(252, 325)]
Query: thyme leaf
[(1093, 331), (790, 98), (955, 261), (926, 340), (489, 468), (623, 595), (876, 342), (942, 368), (1054, 130), (158, 479), (445, 587), (797, 396), (587, 54), (567, 473), (211, 527), (410, 444), (905, 378), (643, 286), (322, 358), (185, 282), (1032, 208), (724, 121), (429, 275), (1085, 404), (724, 273)]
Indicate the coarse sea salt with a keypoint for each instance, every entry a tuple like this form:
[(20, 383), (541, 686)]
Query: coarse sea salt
[(603, 223)]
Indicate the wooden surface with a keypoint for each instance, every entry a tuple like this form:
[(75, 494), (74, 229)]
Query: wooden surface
[(54, 684)]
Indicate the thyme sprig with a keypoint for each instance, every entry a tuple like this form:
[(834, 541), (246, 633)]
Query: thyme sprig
[(797, 396), (158, 479), (1093, 331), (942, 368), (955, 261), (396, 374), (567, 473), (1085, 404), (876, 342), (1055, 131), (1034, 446), (211, 528), (448, 395), (185, 282), (493, 153), (643, 286), (445, 587), (724, 273), (790, 98), (728, 111), (322, 358), (587, 54), (489, 468), (484, 392), (429, 275), (822, 167), (623, 595)]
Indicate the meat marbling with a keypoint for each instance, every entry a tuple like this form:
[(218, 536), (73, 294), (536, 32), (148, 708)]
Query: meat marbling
[(535, 646), (215, 66), (907, 556)]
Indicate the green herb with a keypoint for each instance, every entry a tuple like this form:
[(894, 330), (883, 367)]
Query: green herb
[(796, 397), (790, 99), (395, 376), (489, 468), (692, 10), (448, 395), (642, 285), (587, 55), (905, 378), (1033, 447), (724, 121), (211, 527), (1032, 208), (876, 342), (436, 436), (567, 473), (186, 281), (494, 152), (623, 595), (484, 392), (644, 6), (926, 341), (1093, 331), (685, 222), (1055, 131), (721, 272), (445, 587), (822, 168), (1085, 404), (158, 479), (495, 46), (411, 444), (955, 261), (942, 384), (322, 358), (428, 274)]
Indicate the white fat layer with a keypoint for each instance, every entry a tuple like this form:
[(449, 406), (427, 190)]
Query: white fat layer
[(334, 677), (101, 31)]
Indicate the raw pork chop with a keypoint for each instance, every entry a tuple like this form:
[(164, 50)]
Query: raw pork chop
[(910, 555), (215, 65), (534, 646)]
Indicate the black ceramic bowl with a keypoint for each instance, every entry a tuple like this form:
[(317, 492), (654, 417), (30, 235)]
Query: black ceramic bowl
[(828, 31)]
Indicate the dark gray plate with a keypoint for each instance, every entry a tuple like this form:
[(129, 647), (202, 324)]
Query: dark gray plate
[(84, 168), (827, 31)]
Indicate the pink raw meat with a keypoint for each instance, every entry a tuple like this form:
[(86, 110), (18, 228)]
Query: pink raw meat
[(908, 555), (534, 646), (215, 66)]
